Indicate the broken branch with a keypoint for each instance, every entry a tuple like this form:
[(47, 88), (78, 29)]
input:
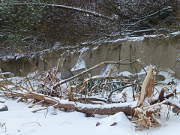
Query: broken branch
[(92, 68)]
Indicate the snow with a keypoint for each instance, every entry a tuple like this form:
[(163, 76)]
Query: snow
[(130, 104), (135, 38), (79, 65), (125, 73), (2, 105), (19, 120), (123, 124), (176, 33)]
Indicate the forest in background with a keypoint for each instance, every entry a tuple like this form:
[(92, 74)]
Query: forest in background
[(33, 25)]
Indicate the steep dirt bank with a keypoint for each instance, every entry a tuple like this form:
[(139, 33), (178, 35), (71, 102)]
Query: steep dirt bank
[(161, 50)]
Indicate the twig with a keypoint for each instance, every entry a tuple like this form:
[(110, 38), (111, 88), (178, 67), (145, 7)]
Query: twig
[(172, 104), (36, 104), (91, 100), (149, 17), (30, 84), (37, 110)]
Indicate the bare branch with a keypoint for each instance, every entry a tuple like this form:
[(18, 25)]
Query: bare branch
[(94, 67), (67, 8)]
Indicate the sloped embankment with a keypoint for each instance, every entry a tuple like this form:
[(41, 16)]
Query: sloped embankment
[(159, 50)]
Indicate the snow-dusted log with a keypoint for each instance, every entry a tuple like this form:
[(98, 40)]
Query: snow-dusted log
[(71, 106), (129, 111)]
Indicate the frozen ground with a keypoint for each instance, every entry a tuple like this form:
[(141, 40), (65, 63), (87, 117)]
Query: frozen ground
[(19, 120)]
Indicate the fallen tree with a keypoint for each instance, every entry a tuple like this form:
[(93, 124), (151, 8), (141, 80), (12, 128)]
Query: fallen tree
[(144, 115), (143, 111), (71, 106)]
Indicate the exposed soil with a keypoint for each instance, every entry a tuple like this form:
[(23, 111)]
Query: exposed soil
[(156, 50)]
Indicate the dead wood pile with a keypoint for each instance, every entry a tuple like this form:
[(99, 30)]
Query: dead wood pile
[(84, 96)]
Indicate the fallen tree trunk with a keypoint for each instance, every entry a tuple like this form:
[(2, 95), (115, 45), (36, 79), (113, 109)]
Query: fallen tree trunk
[(84, 108), (129, 111), (104, 110)]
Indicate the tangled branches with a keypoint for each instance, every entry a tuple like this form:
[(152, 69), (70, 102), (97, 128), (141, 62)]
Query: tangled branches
[(104, 95)]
